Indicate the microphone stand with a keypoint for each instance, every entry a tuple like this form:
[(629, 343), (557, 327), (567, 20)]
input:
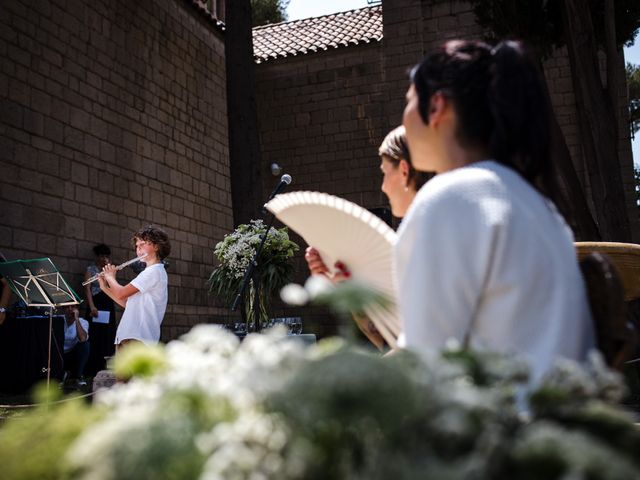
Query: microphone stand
[(251, 273)]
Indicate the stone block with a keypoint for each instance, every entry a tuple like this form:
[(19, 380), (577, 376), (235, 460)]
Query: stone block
[(104, 379), (41, 143), (24, 240), (12, 113)]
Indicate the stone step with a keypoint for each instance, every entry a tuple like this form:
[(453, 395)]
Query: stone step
[(103, 379)]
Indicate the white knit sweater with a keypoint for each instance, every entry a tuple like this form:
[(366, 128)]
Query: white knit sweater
[(483, 258)]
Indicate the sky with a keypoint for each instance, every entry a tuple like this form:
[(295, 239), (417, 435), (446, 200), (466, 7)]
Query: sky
[(313, 8), (632, 55)]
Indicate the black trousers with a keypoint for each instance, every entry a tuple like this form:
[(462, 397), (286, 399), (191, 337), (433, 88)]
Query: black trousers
[(76, 359)]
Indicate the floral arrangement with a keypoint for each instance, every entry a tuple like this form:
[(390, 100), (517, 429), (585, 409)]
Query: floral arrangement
[(274, 267), (209, 407)]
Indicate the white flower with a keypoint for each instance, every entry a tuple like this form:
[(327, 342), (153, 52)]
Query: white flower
[(318, 285), (294, 294), (251, 447)]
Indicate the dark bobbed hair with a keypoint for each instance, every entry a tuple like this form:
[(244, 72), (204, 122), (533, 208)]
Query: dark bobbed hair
[(500, 101), (101, 249), (394, 147), (155, 235)]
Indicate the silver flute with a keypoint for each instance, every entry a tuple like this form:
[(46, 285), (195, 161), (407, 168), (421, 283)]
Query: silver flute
[(119, 267)]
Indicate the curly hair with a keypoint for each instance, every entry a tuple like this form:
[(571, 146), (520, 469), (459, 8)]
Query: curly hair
[(156, 236)]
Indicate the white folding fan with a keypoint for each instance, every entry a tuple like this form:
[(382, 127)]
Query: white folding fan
[(343, 231)]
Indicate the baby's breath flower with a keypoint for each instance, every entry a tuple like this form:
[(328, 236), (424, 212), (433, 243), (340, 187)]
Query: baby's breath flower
[(236, 251), (294, 294)]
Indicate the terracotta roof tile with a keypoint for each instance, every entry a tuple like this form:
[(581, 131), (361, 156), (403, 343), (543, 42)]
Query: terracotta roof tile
[(319, 33), (204, 11)]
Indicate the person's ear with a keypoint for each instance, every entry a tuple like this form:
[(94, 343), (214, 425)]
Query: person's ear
[(404, 171), (437, 106), (404, 168)]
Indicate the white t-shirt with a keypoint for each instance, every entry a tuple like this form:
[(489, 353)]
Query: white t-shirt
[(145, 309), (71, 334), (483, 258)]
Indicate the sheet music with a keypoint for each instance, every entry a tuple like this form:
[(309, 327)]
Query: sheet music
[(103, 317)]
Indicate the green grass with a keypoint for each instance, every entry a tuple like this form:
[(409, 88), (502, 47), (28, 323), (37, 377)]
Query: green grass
[(15, 405)]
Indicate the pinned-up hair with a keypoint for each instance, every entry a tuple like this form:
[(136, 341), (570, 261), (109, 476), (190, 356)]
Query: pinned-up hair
[(394, 147), (500, 101)]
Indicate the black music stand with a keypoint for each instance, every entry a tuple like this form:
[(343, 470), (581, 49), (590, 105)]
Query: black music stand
[(38, 283)]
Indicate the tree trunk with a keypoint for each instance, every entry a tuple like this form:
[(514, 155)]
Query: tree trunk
[(573, 201), (597, 124), (613, 56), (244, 142)]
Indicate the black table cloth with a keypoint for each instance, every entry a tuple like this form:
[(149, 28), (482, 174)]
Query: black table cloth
[(24, 348)]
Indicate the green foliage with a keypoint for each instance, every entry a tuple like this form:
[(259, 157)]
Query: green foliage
[(237, 250), (351, 297), (33, 445), (536, 21), (633, 83), (138, 359), (148, 445), (549, 451), (636, 176), (267, 408), (354, 415), (539, 22), (268, 11)]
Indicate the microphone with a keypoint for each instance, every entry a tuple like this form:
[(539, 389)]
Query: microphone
[(284, 181)]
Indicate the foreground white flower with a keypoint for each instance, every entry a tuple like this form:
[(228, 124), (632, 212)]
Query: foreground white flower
[(318, 285), (209, 379), (268, 409), (294, 294), (253, 447)]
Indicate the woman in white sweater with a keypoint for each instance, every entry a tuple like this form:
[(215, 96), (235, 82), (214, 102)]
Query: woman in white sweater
[(400, 183), (483, 256)]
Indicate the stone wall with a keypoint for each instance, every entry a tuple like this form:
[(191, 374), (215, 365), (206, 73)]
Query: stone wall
[(322, 115), (112, 116), (415, 27)]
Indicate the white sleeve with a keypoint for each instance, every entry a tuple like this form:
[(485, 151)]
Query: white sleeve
[(85, 325), (443, 257), (146, 279)]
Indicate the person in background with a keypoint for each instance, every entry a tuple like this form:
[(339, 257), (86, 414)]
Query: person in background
[(5, 294), (103, 325), (145, 298), (76, 347), (400, 183), (483, 256), (5, 297)]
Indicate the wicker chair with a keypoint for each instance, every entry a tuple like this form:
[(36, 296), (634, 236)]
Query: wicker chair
[(625, 257), (609, 282)]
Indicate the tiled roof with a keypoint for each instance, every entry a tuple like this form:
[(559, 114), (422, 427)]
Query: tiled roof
[(315, 34), (204, 11)]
